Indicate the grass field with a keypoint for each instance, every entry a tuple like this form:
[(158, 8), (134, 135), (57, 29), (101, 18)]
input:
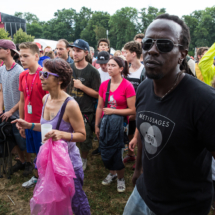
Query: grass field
[(104, 200)]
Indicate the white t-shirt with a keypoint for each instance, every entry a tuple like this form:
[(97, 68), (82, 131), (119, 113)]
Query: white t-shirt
[(103, 75), (134, 77)]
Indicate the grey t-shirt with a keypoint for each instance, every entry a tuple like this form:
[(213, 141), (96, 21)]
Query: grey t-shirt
[(10, 85)]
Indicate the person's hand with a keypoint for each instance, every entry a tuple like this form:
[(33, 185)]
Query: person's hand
[(132, 117), (22, 124), (22, 132), (108, 111), (136, 175), (97, 132), (6, 115), (54, 134), (132, 144), (77, 83)]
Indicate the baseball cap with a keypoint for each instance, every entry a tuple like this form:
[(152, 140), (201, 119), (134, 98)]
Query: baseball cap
[(81, 44), (8, 44), (103, 57)]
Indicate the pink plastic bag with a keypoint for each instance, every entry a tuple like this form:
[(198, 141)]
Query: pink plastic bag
[(55, 188)]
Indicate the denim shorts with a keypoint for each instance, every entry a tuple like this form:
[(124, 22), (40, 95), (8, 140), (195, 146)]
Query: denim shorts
[(136, 205)]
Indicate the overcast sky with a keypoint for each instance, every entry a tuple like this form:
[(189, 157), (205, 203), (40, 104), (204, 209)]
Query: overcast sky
[(44, 9)]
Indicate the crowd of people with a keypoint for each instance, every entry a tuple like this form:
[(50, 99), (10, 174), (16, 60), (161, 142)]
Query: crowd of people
[(150, 95)]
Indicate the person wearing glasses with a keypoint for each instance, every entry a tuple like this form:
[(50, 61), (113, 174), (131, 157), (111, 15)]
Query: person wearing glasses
[(175, 128), (30, 105), (55, 77)]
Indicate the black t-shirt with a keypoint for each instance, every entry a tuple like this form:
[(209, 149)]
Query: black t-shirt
[(177, 133), (89, 76)]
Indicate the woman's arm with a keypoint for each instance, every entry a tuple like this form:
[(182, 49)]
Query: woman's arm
[(131, 110), (22, 124), (98, 115)]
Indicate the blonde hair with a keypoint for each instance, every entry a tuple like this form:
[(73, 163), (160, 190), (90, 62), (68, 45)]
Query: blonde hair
[(30, 45)]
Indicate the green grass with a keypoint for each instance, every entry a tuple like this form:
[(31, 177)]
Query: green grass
[(103, 200)]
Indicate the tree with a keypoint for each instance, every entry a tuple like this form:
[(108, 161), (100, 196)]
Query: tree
[(96, 27), (35, 29), (4, 34), (62, 26), (20, 37), (202, 28), (148, 15), (81, 20), (19, 14), (123, 26)]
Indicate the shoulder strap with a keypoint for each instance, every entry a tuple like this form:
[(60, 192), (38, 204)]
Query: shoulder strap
[(62, 113), (107, 94)]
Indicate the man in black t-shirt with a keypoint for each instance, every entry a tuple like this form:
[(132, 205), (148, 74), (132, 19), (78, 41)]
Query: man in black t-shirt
[(175, 128), (85, 91)]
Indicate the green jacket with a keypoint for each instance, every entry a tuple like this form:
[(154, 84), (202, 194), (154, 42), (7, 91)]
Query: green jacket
[(206, 65)]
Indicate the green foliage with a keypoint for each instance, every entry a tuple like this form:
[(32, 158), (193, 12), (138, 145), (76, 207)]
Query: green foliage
[(148, 15), (96, 27), (4, 34), (123, 26), (35, 29), (20, 37), (202, 28)]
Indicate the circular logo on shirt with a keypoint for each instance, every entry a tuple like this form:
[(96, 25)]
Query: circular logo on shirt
[(152, 136)]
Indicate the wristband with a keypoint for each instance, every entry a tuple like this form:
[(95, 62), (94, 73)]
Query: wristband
[(71, 136), (32, 127)]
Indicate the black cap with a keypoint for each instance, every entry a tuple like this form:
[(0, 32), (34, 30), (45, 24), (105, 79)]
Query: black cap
[(81, 44), (103, 57)]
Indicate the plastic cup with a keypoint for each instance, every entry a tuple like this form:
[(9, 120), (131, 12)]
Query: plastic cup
[(45, 128)]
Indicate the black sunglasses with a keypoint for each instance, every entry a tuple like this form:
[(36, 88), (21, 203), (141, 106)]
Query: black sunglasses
[(46, 74), (163, 45)]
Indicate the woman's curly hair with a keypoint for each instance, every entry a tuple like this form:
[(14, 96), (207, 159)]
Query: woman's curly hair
[(61, 68)]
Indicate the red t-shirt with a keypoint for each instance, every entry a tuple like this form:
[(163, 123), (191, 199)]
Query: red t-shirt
[(96, 65), (37, 95), (118, 98)]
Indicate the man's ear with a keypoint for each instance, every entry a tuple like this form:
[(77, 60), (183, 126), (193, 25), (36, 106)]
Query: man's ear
[(67, 49), (183, 54), (37, 57)]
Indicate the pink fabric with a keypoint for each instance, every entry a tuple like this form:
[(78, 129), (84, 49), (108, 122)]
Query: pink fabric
[(118, 98), (55, 188)]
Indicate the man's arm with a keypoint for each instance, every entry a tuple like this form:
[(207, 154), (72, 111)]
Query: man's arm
[(5, 116), (206, 65), (138, 166), (89, 91), (21, 106), (1, 99)]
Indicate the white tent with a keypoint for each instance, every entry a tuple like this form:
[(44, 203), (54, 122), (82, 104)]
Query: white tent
[(44, 43)]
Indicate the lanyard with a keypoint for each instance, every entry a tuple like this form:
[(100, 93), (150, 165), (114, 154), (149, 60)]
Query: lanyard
[(13, 65), (2, 63), (27, 90)]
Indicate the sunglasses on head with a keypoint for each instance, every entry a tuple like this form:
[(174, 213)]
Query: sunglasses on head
[(163, 45), (46, 74)]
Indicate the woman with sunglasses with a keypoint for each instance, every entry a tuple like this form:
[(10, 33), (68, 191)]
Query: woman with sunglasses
[(55, 77), (120, 103)]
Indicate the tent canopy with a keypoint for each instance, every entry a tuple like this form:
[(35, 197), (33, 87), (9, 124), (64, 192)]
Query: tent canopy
[(44, 43)]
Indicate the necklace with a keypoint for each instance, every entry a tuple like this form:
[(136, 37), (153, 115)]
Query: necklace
[(178, 75)]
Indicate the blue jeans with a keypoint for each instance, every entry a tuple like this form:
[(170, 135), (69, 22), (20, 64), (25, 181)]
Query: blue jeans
[(136, 205)]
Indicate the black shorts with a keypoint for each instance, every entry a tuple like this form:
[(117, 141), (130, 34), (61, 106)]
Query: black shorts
[(132, 127), (115, 161)]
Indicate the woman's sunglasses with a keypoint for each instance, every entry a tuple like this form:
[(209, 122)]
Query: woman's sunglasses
[(46, 74), (163, 45)]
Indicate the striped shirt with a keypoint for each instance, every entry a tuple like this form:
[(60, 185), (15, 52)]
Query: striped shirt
[(10, 85)]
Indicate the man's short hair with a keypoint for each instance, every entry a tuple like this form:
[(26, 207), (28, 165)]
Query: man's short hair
[(104, 40), (92, 49), (134, 46), (65, 41), (139, 36), (201, 50), (30, 45)]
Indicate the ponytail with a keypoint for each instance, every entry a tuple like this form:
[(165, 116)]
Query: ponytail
[(184, 66), (122, 63)]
